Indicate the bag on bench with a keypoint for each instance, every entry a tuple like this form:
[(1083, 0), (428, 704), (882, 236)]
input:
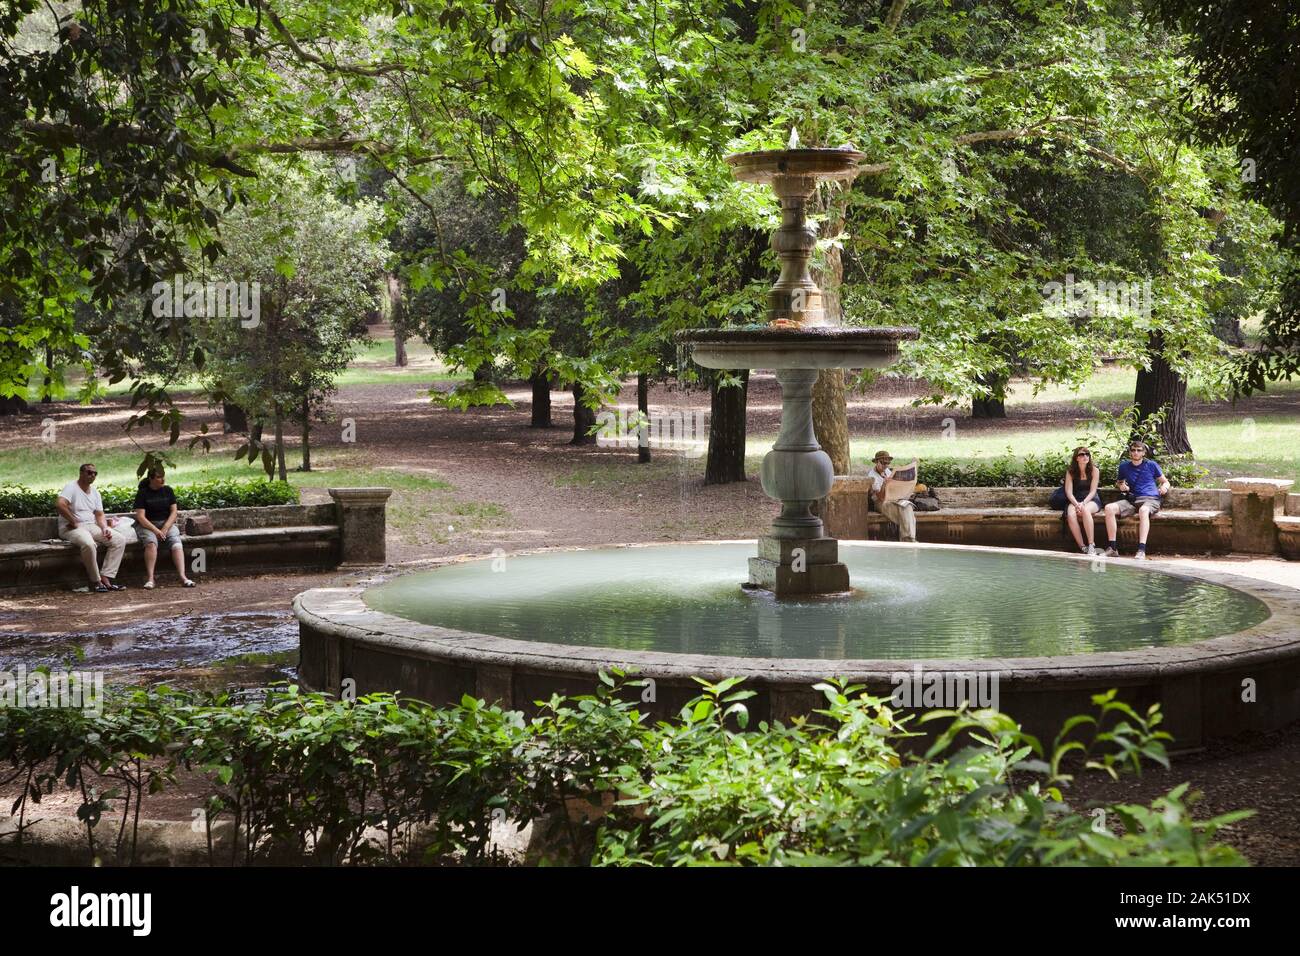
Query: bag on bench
[(198, 525)]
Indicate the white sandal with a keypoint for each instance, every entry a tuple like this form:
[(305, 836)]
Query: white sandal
[(148, 585)]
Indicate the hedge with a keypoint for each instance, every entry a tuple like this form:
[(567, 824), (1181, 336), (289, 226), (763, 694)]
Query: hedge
[(1009, 471), (17, 501)]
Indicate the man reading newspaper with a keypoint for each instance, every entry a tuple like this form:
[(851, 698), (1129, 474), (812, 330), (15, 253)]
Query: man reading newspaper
[(892, 493)]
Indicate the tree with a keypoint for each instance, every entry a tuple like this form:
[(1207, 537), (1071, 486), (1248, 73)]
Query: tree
[(311, 264), (1244, 56)]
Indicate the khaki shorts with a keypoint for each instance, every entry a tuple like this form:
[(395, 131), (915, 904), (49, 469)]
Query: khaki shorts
[(1127, 508)]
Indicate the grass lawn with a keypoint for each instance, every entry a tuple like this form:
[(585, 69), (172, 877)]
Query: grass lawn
[(53, 466), (373, 365)]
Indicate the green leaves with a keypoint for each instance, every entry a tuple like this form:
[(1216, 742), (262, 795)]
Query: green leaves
[(308, 776)]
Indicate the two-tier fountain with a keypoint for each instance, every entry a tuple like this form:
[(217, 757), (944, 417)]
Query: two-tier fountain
[(796, 558), (521, 627)]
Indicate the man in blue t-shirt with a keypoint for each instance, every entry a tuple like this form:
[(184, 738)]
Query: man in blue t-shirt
[(1142, 482)]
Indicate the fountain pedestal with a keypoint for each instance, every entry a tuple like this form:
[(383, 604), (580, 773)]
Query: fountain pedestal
[(796, 558)]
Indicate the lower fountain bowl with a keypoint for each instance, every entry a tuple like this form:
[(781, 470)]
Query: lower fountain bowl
[(1043, 628)]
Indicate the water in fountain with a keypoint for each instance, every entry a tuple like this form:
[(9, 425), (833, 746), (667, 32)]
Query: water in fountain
[(915, 603)]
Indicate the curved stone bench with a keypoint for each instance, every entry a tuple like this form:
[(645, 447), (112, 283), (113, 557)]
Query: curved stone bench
[(1192, 521), (255, 540)]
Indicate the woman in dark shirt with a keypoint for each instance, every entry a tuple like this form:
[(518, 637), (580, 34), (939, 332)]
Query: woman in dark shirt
[(155, 522), (1079, 499)]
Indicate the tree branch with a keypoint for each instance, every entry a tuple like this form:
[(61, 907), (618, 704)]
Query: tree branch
[(357, 69), (1038, 131)]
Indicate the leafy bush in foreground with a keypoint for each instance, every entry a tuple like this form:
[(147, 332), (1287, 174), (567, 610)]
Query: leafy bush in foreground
[(297, 776)]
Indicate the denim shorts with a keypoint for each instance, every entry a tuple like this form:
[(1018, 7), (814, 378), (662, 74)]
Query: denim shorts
[(173, 539)]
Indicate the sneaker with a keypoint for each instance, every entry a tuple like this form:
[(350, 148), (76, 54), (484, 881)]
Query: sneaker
[(1111, 553), (148, 585), (83, 590), (1090, 549), (1140, 556), (187, 583), (110, 585)]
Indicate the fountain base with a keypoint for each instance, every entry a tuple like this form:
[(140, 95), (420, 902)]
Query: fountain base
[(798, 567)]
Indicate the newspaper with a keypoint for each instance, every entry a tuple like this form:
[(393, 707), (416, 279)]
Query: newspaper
[(902, 482)]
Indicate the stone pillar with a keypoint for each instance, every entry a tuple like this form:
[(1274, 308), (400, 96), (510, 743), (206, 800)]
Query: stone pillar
[(1256, 503), (362, 527), (796, 558)]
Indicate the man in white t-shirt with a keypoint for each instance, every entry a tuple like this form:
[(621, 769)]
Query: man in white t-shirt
[(82, 522), (899, 512)]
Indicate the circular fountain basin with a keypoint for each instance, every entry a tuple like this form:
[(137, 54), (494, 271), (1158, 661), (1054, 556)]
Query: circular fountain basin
[(824, 346), (1051, 627)]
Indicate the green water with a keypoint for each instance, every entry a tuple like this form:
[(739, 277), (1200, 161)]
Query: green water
[(910, 602)]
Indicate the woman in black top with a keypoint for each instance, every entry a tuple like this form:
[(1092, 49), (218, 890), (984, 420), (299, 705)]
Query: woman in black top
[(155, 523), (1078, 497)]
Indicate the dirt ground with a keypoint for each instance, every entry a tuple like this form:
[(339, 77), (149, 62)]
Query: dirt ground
[(511, 486)]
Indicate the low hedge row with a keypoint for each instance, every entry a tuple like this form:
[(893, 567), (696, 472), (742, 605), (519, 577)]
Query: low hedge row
[(17, 501), (1031, 471), (384, 781)]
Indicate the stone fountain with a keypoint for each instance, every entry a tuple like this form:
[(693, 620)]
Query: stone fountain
[(796, 558)]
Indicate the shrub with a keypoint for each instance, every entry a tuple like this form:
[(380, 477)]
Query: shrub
[(1033, 471), (383, 780), (16, 501)]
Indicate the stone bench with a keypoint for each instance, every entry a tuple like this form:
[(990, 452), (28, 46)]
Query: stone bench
[(1191, 521), (348, 531)]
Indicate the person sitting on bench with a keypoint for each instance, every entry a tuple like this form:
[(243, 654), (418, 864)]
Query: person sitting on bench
[(1142, 482), (82, 522), (898, 511), (156, 524), (1077, 497)]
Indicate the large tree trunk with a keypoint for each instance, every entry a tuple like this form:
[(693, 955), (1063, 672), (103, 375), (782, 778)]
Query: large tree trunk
[(726, 457), (1161, 387), (830, 417), (233, 418), (12, 405), (397, 318), (483, 373), (306, 434), (830, 400), (583, 419), (995, 406), (643, 406), (46, 396), (541, 383)]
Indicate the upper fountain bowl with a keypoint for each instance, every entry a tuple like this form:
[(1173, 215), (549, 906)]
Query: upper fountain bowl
[(763, 166), (791, 346)]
